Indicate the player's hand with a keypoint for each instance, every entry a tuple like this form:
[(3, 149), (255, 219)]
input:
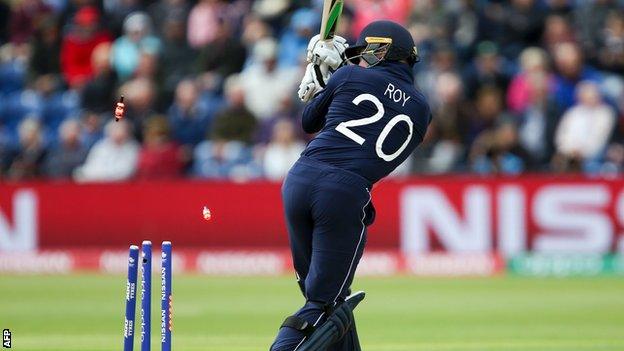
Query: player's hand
[(120, 109), (312, 82), (321, 52)]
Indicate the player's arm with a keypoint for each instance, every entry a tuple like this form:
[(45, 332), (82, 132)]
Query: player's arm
[(313, 118), (324, 57)]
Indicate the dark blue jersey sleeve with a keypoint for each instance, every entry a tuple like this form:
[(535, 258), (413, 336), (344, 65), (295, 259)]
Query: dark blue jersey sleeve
[(314, 113)]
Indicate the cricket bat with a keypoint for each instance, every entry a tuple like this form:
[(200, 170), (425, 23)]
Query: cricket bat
[(331, 14)]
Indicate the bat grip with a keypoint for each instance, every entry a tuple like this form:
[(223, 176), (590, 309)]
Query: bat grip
[(329, 42)]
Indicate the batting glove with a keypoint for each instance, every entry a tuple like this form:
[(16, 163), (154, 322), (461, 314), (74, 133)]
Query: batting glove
[(313, 82), (331, 53)]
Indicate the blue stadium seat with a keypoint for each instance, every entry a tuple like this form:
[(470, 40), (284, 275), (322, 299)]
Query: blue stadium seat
[(17, 106), (20, 104), (58, 107), (12, 77), (2, 104)]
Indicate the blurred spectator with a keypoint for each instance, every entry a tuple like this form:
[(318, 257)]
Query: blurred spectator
[(436, 21), (148, 66), (25, 18), (265, 84), (177, 59), (557, 31), (5, 153), (283, 150), (188, 117), (225, 159), (492, 16), (140, 95), (497, 151), (488, 69), (13, 67), (67, 9), (538, 119), (424, 42), (203, 22), (227, 154), (287, 109), (590, 18), (344, 26), (571, 70), (70, 153), (533, 67), (367, 11), (78, 45), (614, 160), (560, 7), (271, 11), (224, 55), (254, 30), (465, 24), (524, 21), (118, 11), (234, 121), (490, 112), (26, 162), (442, 61), (159, 157), (447, 134), (21, 102), (162, 11), (136, 40), (584, 130), (91, 124), (294, 41), (57, 6), (113, 158), (46, 51), (611, 53), (98, 92), (5, 16)]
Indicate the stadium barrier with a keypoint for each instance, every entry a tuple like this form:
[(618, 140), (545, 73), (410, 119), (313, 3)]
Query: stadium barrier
[(532, 222)]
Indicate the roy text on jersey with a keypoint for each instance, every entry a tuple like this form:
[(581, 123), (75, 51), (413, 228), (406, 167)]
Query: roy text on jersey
[(395, 94)]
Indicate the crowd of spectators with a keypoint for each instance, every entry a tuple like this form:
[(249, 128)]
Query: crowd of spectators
[(210, 85)]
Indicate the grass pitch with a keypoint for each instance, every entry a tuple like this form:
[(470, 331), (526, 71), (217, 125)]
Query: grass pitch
[(85, 312)]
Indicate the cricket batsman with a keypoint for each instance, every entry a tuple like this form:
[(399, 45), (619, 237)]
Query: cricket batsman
[(369, 118)]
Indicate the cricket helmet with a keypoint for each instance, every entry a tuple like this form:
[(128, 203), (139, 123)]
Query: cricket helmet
[(383, 40)]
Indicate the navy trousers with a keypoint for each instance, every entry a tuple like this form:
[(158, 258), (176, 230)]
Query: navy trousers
[(327, 212)]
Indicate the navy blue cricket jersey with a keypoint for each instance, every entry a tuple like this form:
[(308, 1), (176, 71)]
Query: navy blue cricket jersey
[(370, 119)]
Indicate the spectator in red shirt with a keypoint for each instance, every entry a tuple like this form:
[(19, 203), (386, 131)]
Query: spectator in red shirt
[(160, 158), (78, 45)]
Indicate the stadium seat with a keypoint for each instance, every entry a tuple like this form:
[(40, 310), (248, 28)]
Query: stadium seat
[(58, 107), (11, 77), (17, 106)]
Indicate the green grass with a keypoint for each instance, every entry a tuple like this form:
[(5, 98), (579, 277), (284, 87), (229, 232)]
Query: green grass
[(85, 312)]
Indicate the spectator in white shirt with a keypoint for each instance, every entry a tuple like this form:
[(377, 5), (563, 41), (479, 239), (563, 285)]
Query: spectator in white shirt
[(584, 129), (114, 158), (266, 85), (283, 150)]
